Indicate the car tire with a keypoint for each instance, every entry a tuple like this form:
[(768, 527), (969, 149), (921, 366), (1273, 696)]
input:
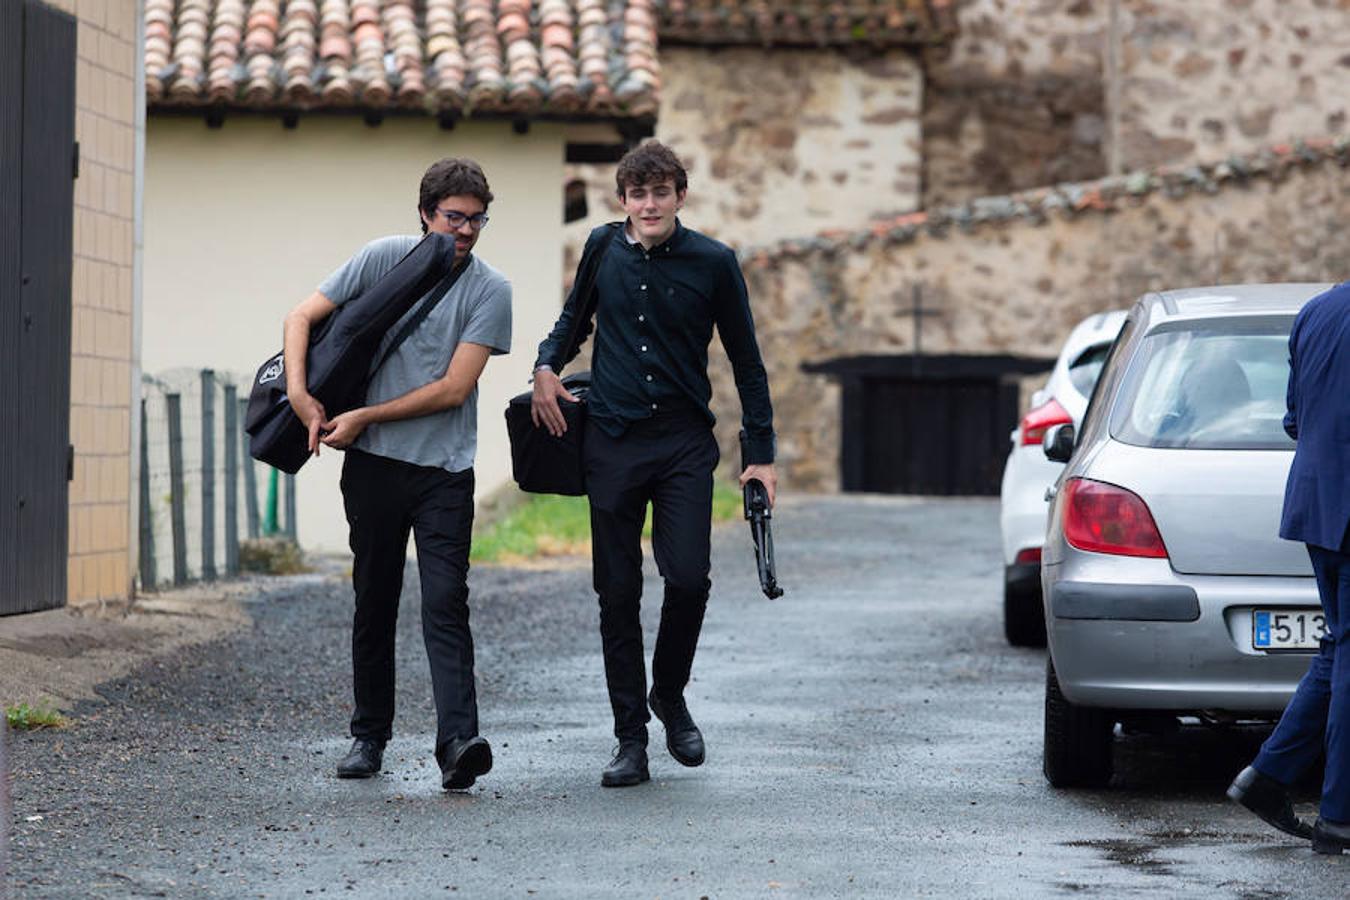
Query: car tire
[(1023, 612), (1078, 739)]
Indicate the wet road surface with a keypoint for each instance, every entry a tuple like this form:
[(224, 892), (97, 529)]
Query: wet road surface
[(870, 734)]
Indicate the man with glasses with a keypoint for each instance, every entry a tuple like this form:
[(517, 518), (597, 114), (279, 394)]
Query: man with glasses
[(409, 467), (660, 289)]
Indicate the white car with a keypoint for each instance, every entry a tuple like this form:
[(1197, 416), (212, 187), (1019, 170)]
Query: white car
[(1028, 473)]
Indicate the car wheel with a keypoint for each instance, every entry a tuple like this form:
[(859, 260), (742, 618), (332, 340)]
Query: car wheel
[(1023, 613), (1077, 739)]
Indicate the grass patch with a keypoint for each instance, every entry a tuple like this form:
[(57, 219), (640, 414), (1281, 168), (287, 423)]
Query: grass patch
[(30, 718), (548, 525)]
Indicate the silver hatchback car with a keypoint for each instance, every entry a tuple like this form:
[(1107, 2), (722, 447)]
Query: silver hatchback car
[(1169, 591)]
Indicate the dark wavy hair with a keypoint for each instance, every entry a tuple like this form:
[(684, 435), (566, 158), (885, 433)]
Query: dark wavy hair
[(649, 163), (448, 178)]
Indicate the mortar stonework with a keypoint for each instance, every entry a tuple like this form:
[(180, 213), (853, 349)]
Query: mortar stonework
[(1034, 92), (1013, 287), (780, 143)]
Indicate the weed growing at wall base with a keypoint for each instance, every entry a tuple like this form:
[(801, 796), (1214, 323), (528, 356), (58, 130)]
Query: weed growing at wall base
[(23, 717)]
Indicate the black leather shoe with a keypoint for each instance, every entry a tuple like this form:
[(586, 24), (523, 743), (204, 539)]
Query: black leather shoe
[(1330, 837), (683, 739), (363, 760), (1268, 799), (465, 759), (629, 766)]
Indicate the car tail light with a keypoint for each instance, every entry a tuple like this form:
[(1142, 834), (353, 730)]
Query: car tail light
[(1035, 423), (1028, 556), (1104, 518)]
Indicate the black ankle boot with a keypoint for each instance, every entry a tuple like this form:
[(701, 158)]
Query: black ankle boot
[(683, 739), (628, 767), (363, 760), (464, 760)]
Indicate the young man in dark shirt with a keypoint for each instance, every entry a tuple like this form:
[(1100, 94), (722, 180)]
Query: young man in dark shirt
[(660, 289)]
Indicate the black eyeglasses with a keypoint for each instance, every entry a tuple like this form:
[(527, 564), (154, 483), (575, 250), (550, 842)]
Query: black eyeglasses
[(456, 220)]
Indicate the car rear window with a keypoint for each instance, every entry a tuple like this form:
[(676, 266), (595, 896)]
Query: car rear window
[(1213, 385)]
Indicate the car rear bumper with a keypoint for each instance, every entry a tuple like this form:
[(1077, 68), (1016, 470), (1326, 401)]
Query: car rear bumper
[(1158, 641)]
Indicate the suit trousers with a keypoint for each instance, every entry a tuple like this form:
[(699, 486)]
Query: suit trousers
[(385, 499), (1317, 719), (666, 461)]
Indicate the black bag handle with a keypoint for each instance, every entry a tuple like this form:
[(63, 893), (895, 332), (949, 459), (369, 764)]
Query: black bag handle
[(436, 296), (586, 299)]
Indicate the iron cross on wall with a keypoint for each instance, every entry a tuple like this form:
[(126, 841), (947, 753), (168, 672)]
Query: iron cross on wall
[(918, 311)]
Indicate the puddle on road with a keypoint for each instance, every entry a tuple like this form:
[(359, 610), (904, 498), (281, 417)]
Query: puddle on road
[(1142, 855), (1135, 853)]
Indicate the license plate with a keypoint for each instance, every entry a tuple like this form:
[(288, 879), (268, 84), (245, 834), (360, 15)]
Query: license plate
[(1293, 629)]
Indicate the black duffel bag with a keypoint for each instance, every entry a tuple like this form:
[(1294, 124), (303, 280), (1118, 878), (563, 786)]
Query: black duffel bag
[(342, 348), (540, 462)]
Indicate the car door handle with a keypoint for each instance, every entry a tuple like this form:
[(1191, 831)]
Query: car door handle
[(1050, 493)]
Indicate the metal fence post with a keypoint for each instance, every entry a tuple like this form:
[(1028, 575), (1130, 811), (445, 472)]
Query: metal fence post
[(250, 477), (231, 482), (208, 475), (174, 404), (149, 578), (290, 507)]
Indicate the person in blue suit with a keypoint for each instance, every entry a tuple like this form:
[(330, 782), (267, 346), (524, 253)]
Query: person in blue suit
[(1316, 512)]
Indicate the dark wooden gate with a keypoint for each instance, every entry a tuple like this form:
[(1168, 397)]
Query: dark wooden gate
[(937, 427), (37, 167)]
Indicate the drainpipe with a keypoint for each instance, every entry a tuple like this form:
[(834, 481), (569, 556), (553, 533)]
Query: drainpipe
[(137, 316)]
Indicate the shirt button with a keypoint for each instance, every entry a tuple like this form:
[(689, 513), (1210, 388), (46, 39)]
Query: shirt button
[(642, 318), (649, 378), (644, 287), (644, 348), (653, 406)]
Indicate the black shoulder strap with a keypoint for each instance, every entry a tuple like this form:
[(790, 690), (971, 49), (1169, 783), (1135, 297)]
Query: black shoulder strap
[(437, 294), (586, 301)]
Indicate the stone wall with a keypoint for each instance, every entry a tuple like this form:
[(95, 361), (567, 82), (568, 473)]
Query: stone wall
[(1018, 100), (1034, 92), (1205, 80), (781, 143), (1014, 278)]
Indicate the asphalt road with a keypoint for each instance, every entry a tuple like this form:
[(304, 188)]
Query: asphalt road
[(869, 734)]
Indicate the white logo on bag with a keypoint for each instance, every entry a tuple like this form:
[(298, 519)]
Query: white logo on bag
[(272, 372)]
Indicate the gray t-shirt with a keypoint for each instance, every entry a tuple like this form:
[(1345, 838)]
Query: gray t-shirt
[(477, 310)]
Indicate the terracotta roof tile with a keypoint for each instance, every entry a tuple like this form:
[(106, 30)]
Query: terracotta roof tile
[(808, 22), (576, 58), (1104, 195)]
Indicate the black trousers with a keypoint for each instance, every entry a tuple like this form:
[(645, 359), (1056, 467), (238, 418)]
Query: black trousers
[(384, 500), (667, 461)]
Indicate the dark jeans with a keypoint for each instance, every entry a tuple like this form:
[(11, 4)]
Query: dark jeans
[(1318, 716), (667, 461), (384, 500)]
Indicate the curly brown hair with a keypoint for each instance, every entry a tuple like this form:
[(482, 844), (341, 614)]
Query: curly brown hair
[(649, 163), (450, 177)]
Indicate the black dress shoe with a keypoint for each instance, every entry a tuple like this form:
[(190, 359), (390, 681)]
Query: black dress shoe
[(683, 739), (1268, 799), (628, 767), (465, 759), (363, 760), (1332, 838)]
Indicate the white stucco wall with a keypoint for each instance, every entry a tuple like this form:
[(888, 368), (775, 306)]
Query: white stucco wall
[(243, 222)]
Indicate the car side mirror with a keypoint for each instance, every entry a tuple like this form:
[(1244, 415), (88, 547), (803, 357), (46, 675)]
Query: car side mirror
[(1059, 442)]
